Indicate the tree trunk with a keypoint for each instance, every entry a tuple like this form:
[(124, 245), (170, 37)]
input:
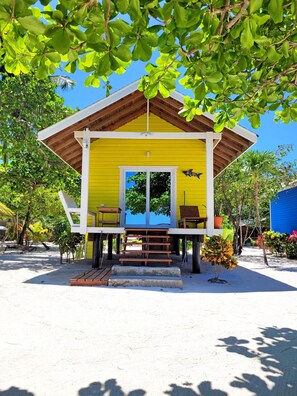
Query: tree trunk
[(258, 217), (20, 240)]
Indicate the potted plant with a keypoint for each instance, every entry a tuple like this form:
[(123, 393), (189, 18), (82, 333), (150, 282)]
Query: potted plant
[(219, 252), (218, 218), (218, 221)]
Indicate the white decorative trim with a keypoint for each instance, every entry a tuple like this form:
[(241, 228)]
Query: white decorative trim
[(145, 135), (209, 184), (85, 181)]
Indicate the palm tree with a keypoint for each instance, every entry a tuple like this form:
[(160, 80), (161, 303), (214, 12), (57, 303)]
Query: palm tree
[(5, 211), (261, 166)]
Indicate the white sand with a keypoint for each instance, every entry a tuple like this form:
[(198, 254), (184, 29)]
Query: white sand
[(207, 339)]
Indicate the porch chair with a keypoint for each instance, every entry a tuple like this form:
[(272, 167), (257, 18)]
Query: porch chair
[(190, 214)]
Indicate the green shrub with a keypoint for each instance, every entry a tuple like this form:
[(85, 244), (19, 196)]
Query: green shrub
[(69, 243), (291, 246), (219, 252), (275, 241)]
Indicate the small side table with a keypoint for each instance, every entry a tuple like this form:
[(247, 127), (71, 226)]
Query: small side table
[(109, 212)]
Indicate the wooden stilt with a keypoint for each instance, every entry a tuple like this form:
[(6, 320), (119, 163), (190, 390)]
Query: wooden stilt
[(195, 255), (184, 247), (118, 243), (109, 247), (176, 245), (96, 254)]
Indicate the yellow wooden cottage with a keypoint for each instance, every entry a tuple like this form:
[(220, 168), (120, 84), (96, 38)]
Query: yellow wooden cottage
[(141, 164)]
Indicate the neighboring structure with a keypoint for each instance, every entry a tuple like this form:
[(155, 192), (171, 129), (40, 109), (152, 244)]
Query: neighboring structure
[(124, 145), (283, 211)]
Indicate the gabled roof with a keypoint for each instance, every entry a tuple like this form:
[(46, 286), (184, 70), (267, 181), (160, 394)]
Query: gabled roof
[(126, 105)]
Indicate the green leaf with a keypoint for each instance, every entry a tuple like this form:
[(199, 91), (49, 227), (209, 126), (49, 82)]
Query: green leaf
[(214, 77), (53, 56), (200, 92), (122, 52), (246, 38), (164, 91), (180, 15), (285, 49), (255, 121), (60, 40), (122, 5), (32, 24), (142, 51), (257, 75), (275, 9), (260, 19), (92, 81), (120, 26), (293, 113), (134, 10), (104, 65), (273, 55), (255, 5), (151, 91), (218, 127)]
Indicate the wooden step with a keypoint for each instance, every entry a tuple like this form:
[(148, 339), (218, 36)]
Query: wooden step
[(147, 236), (93, 277), (128, 230), (147, 243), (144, 260), (136, 252)]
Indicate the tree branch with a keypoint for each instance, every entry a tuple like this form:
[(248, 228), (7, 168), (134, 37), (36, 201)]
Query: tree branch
[(238, 16), (226, 8)]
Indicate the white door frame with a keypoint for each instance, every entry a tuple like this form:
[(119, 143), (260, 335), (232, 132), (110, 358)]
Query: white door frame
[(169, 169)]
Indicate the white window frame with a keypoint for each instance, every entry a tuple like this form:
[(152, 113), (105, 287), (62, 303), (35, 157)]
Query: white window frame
[(122, 200)]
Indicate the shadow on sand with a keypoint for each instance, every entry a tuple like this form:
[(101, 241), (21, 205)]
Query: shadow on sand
[(240, 280), (275, 350)]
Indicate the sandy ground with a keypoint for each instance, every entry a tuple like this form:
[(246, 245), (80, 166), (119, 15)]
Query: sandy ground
[(239, 338)]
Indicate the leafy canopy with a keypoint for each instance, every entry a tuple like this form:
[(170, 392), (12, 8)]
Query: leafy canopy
[(30, 174), (238, 58)]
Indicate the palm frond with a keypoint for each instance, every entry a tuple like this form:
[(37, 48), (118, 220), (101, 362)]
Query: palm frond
[(63, 82), (5, 211)]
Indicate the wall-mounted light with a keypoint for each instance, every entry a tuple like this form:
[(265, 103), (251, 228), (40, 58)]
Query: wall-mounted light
[(85, 145), (190, 173), (148, 153)]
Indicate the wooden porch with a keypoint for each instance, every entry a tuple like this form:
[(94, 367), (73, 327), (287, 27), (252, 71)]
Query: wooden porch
[(92, 277), (156, 246)]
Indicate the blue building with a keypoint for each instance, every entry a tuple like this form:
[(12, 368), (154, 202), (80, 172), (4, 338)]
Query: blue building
[(283, 211)]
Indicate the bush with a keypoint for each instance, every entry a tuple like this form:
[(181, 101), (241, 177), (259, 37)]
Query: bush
[(219, 252), (69, 243), (275, 241), (291, 246)]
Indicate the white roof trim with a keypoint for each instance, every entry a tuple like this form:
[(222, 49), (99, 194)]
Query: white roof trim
[(239, 130), (86, 112), (146, 135)]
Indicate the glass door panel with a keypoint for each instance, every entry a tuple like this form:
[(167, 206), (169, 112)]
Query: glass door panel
[(159, 198), (135, 195), (147, 198)]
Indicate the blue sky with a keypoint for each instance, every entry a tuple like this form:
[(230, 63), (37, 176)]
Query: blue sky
[(270, 134)]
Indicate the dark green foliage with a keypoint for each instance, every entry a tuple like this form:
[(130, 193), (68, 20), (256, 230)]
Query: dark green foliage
[(67, 241)]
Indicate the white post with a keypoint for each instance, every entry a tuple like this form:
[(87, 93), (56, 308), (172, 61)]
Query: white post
[(84, 203), (209, 184)]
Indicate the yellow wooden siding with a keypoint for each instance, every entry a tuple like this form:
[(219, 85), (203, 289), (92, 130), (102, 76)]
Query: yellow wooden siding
[(155, 124), (108, 154)]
